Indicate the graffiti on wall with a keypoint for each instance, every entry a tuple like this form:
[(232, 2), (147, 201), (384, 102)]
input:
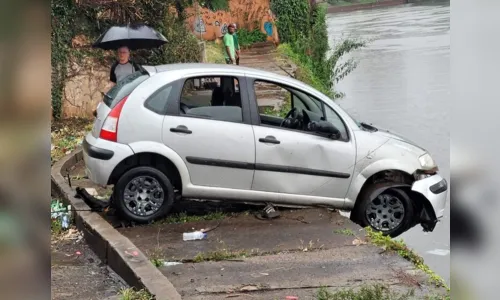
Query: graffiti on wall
[(199, 25), (223, 29), (268, 27), (255, 14)]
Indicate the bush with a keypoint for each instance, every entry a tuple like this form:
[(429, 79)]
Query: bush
[(308, 49), (248, 37)]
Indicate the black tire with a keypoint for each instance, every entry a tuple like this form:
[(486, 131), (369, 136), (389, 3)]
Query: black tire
[(126, 179), (360, 216)]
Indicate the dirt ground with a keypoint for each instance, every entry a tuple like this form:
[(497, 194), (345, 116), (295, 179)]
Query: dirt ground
[(77, 273)]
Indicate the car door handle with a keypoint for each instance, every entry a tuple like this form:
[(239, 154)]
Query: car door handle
[(181, 129), (269, 139)]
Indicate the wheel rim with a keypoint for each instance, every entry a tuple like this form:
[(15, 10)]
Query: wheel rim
[(385, 212), (143, 196)]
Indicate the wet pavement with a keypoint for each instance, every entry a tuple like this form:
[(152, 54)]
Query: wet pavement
[(295, 254), (78, 274), (402, 83)]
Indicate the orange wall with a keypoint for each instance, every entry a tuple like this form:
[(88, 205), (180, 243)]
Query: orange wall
[(213, 24)]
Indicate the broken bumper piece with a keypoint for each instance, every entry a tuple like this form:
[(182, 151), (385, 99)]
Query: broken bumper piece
[(435, 190)]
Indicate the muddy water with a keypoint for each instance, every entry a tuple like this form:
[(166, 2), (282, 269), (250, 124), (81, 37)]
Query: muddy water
[(402, 83)]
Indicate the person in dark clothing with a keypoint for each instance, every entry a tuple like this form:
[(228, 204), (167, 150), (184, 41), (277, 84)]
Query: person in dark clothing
[(123, 66)]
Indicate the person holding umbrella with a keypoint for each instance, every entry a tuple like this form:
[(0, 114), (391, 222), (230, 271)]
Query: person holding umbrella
[(126, 38), (123, 66)]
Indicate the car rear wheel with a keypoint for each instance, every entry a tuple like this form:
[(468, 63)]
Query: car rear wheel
[(143, 194), (391, 211)]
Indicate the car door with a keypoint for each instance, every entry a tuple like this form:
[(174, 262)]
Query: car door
[(216, 142), (298, 162)]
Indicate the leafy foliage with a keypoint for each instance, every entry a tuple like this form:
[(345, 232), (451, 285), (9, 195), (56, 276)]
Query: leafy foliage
[(292, 18), (307, 45), (91, 18), (248, 37), (399, 246)]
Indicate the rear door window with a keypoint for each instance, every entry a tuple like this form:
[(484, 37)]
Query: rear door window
[(124, 87)]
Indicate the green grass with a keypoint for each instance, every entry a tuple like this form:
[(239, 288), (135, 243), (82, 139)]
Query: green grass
[(304, 72), (132, 294), (215, 53), (399, 246), (220, 255), (185, 218), (375, 292), (345, 231)]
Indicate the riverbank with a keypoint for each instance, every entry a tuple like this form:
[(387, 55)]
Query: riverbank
[(345, 6)]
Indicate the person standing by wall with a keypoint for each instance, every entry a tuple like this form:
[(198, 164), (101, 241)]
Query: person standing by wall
[(228, 41), (123, 66), (236, 45)]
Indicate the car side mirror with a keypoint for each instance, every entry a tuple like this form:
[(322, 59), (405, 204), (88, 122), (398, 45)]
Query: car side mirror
[(325, 128)]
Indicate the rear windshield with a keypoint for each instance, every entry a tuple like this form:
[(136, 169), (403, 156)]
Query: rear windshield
[(124, 87)]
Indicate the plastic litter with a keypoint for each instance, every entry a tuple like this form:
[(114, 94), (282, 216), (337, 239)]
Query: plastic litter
[(60, 212), (196, 235), (171, 263)]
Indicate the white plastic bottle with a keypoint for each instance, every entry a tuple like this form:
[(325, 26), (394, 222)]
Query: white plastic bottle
[(191, 236)]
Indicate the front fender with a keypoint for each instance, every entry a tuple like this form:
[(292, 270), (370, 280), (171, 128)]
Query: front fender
[(163, 150), (365, 169)]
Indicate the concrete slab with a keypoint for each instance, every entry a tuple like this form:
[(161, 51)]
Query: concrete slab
[(294, 231), (298, 274)]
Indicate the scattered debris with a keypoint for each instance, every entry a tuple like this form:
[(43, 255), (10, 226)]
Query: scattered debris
[(249, 288), (60, 215), (88, 196), (171, 263), (357, 242), (269, 212), (192, 236)]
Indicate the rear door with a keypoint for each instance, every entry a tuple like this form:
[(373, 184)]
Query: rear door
[(209, 127)]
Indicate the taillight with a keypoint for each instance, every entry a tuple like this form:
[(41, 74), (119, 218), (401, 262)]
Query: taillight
[(109, 130)]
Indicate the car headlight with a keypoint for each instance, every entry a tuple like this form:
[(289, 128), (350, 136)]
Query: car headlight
[(426, 162)]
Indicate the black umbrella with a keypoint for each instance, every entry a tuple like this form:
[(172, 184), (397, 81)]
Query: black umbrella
[(133, 36)]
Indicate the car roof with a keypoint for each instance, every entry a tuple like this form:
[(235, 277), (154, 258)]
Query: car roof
[(208, 67)]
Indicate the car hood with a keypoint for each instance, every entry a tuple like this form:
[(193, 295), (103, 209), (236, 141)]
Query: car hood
[(411, 146)]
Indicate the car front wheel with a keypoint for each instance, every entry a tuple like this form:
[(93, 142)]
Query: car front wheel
[(143, 194), (391, 211)]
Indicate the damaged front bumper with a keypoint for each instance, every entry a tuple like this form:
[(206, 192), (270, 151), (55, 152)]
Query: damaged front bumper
[(435, 189)]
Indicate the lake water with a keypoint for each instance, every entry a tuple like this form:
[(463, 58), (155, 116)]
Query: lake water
[(402, 83)]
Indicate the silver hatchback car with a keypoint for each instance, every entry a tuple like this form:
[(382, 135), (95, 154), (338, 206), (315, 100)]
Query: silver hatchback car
[(213, 132)]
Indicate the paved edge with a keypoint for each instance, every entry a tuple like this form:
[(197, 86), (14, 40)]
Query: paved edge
[(113, 248)]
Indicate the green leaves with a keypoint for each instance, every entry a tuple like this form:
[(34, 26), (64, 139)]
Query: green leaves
[(247, 37)]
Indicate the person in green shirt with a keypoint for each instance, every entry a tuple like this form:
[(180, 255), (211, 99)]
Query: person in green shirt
[(228, 41), (236, 45)]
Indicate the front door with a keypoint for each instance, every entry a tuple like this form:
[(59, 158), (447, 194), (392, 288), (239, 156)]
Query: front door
[(295, 161), (210, 134)]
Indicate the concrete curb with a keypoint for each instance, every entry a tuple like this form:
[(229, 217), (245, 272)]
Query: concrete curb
[(112, 247)]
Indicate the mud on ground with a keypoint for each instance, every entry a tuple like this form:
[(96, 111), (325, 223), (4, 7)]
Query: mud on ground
[(77, 273)]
